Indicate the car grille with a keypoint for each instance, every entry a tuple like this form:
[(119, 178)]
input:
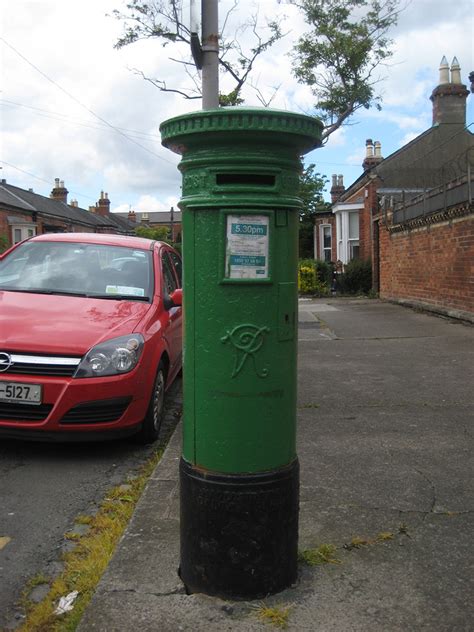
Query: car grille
[(97, 412), (41, 365), (24, 412)]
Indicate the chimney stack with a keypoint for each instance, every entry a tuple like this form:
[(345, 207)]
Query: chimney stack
[(103, 205), (59, 191), (132, 216), (449, 97), (337, 188), (373, 154)]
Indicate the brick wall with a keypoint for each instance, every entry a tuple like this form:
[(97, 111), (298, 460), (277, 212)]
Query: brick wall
[(432, 264), (365, 221)]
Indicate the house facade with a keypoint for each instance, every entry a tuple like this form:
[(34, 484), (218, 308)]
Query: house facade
[(24, 214), (412, 213)]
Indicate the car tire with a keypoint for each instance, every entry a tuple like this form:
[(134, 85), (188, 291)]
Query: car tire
[(151, 425)]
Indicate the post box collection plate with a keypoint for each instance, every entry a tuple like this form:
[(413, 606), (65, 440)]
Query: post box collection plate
[(247, 247)]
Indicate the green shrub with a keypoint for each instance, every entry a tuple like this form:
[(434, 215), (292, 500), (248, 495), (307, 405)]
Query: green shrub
[(309, 281), (3, 243), (356, 278), (325, 271)]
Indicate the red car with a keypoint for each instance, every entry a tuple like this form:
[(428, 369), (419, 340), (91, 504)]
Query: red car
[(90, 336)]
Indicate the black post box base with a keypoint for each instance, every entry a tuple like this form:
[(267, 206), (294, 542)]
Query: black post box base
[(239, 532)]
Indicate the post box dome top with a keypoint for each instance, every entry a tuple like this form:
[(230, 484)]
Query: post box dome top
[(241, 124)]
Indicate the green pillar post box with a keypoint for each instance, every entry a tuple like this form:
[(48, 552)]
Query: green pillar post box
[(239, 468)]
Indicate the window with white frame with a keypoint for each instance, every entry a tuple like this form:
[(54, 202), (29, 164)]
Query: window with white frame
[(325, 242), (23, 231), (347, 231), (353, 237)]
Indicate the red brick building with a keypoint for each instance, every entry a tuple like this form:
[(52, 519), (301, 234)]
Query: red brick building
[(412, 213), (24, 213)]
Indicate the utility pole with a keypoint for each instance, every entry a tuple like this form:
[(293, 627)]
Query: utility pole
[(206, 55), (210, 57)]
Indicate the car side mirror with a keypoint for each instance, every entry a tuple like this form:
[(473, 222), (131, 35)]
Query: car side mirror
[(175, 299)]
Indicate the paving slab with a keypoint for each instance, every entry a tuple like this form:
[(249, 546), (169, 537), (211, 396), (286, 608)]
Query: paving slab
[(385, 427)]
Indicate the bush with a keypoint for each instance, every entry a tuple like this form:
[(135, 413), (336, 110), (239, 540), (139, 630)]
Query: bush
[(309, 280), (356, 278), (3, 243), (325, 271)]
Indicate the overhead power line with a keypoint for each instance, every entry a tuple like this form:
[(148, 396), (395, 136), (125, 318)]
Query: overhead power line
[(76, 100), (65, 118), (28, 173)]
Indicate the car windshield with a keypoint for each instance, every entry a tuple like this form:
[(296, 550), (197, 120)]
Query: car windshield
[(96, 270)]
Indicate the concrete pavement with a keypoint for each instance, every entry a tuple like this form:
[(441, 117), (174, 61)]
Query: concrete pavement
[(385, 426)]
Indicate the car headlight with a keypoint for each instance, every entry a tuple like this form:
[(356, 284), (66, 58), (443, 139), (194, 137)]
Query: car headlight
[(113, 357)]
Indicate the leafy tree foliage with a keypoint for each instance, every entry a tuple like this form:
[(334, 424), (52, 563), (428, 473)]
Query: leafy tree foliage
[(341, 54), (339, 57), (311, 191), (163, 20), (160, 233)]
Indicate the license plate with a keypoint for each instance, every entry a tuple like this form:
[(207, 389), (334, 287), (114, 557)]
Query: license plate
[(22, 393)]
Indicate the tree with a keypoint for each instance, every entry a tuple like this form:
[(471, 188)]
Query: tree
[(339, 58), (163, 20), (311, 192), (160, 233)]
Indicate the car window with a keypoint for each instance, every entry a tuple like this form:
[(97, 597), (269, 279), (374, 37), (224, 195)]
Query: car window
[(169, 279), (96, 270), (177, 265)]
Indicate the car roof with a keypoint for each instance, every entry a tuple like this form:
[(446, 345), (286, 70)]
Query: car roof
[(126, 241)]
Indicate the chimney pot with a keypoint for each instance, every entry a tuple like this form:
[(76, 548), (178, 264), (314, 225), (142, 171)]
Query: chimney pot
[(340, 180), (334, 180), (369, 148), (444, 71), (455, 71), (378, 149)]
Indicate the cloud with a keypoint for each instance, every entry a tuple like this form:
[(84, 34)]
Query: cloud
[(73, 81), (148, 203)]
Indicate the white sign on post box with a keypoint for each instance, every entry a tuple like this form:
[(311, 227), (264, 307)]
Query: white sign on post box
[(247, 247)]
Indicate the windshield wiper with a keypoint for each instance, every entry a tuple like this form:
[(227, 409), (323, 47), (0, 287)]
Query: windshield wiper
[(28, 290), (120, 297), (114, 297)]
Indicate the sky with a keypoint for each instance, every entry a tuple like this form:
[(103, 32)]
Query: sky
[(72, 107)]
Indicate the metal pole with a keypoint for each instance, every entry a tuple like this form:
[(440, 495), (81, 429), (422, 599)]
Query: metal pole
[(210, 57)]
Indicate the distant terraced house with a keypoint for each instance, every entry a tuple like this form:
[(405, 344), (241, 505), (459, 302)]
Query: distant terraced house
[(24, 213), (157, 219)]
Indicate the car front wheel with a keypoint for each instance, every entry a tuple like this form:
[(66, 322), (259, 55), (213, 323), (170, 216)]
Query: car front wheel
[(151, 424)]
